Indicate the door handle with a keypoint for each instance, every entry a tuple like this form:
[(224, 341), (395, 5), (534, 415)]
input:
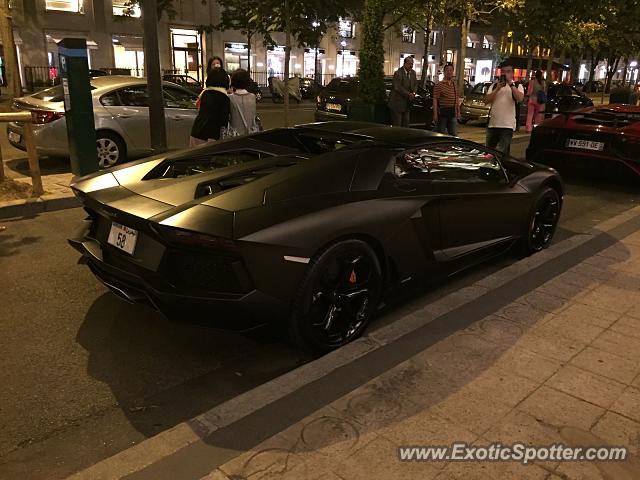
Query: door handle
[(177, 118), (123, 115)]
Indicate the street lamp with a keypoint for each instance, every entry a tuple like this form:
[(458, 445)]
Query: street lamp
[(315, 24), (343, 43)]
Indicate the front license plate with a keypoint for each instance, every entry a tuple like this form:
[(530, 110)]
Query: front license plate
[(122, 237), (15, 137), (334, 107), (585, 144)]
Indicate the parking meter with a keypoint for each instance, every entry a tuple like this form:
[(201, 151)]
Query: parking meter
[(78, 106)]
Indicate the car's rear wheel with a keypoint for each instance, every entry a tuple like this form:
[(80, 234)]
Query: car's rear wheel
[(338, 296), (543, 221), (111, 149)]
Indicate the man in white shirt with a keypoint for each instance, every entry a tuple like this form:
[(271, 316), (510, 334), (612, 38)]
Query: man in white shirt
[(503, 96)]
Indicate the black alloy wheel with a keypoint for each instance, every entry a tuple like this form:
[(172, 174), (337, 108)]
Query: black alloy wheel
[(544, 220), (338, 297)]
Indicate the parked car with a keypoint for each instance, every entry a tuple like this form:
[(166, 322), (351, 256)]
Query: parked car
[(473, 106), (121, 116), (315, 225), (309, 88), (599, 139), (185, 81), (335, 100), (563, 98), (593, 86)]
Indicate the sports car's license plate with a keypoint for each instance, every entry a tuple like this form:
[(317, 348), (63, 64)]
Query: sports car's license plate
[(585, 144), (334, 107), (122, 237), (15, 137)]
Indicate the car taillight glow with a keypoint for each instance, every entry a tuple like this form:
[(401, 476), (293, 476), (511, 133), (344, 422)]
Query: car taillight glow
[(45, 116)]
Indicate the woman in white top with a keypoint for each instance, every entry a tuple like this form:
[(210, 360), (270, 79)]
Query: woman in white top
[(243, 104)]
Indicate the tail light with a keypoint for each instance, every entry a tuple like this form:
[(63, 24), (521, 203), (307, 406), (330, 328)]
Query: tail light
[(195, 239), (40, 117)]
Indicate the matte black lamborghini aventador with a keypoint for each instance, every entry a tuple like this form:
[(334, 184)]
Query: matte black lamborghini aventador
[(315, 223)]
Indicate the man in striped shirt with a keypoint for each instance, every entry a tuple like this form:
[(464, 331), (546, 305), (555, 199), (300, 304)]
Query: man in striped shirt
[(446, 108)]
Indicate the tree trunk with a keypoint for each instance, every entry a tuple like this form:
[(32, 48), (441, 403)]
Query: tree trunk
[(249, 35), (287, 58), (610, 73), (157, 125), (464, 32), (529, 61), (624, 72), (550, 65), (575, 68), (11, 72), (425, 54)]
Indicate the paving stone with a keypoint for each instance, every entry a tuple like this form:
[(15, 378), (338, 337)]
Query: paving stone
[(555, 347), (504, 386), (569, 286), (427, 428), (524, 315), (559, 409), (571, 327), (379, 460), (633, 239), (528, 364), (607, 364), (636, 382), (628, 326), (545, 302), (609, 298), (596, 316), (604, 262), (586, 385), (580, 470), (472, 410), (216, 475), (467, 471), (619, 431), (628, 404), (520, 427), (511, 470), (600, 275), (616, 343), (498, 330)]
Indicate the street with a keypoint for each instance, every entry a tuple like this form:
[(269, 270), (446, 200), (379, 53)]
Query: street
[(87, 375)]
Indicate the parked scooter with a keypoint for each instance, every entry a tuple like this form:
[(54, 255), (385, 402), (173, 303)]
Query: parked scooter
[(276, 86)]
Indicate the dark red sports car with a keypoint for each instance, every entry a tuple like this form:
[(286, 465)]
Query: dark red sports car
[(602, 139)]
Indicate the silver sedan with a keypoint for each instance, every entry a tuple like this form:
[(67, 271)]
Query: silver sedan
[(121, 115)]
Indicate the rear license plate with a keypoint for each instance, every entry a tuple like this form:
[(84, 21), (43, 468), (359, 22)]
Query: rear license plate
[(334, 107), (123, 238), (585, 144), (15, 137)]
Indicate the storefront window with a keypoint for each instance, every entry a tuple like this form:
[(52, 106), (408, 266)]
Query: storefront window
[(275, 61), (345, 28), (236, 55), (346, 63), (74, 6), (123, 8), (408, 35), (186, 52), (129, 54), (310, 68)]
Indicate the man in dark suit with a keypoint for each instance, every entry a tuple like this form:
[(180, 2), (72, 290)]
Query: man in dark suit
[(403, 92)]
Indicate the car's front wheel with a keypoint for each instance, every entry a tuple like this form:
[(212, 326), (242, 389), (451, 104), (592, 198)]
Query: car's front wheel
[(111, 149), (338, 296), (543, 221)]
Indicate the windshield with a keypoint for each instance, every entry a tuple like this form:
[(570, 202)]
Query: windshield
[(481, 88)]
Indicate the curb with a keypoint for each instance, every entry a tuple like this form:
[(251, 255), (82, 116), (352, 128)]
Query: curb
[(182, 435), (34, 206)]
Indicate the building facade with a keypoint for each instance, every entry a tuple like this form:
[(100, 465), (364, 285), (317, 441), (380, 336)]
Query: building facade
[(113, 31)]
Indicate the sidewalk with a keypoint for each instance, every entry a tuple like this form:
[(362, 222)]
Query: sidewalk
[(543, 352), (558, 365)]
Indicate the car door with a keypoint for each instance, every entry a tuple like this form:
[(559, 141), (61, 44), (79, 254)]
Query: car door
[(477, 205), (180, 113), (129, 106)]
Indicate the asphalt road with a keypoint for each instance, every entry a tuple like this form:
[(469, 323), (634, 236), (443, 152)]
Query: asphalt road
[(86, 375)]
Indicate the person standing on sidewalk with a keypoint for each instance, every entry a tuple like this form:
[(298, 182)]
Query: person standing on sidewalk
[(503, 97), (537, 92), (446, 108), (403, 91)]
